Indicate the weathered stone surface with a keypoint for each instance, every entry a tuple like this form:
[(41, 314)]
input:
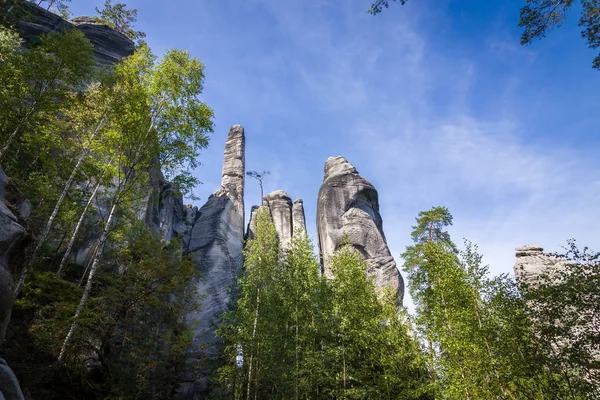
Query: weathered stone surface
[(348, 205), (9, 384), (532, 262), (280, 205), (298, 219), (110, 46), (11, 233), (232, 179), (287, 216), (216, 243)]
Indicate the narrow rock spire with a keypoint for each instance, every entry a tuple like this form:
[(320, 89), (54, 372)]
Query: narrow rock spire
[(232, 177), (298, 219), (216, 243)]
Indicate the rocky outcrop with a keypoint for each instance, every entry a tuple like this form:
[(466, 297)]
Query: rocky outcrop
[(348, 205), (11, 234), (215, 243), (532, 263), (287, 217), (298, 219), (280, 205), (110, 46)]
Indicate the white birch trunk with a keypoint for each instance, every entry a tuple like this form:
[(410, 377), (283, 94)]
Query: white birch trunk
[(63, 262), (89, 283), (56, 208)]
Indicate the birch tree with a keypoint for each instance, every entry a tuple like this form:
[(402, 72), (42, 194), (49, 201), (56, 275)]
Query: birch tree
[(48, 72), (156, 116)]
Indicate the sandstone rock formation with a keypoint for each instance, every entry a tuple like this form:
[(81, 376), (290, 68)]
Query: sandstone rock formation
[(280, 205), (11, 234), (348, 205), (110, 46), (298, 219), (532, 262), (287, 217), (215, 243)]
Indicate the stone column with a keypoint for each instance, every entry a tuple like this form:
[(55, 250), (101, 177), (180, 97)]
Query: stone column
[(216, 243), (348, 205)]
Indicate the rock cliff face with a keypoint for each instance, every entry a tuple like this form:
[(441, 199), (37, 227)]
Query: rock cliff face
[(11, 234), (348, 205), (110, 46), (216, 242)]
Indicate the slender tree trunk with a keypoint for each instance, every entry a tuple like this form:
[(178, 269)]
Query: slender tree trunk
[(253, 337), (46, 231), (17, 129), (63, 262), (89, 283)]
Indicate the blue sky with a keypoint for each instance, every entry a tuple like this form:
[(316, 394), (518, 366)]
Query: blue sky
[(435, 103)]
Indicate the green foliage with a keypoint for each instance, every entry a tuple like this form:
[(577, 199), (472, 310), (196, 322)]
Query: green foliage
[(120, 18), (132, 339), (127, 339), (39, 87), (296, 334), (540, 16), (563, 306), (378, 6), (486, 339)]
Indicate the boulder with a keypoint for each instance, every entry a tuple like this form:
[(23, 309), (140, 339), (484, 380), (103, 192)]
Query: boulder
[(348, 205)]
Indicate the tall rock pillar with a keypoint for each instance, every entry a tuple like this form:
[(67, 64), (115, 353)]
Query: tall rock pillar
[(298, 219), (280, 205), (348, 205), (216, 243)]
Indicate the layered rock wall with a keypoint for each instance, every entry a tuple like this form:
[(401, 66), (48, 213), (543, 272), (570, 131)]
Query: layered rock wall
[(348, 205), (110, 46)]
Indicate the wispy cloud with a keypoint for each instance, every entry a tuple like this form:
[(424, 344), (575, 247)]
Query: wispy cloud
[(428, 111)]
